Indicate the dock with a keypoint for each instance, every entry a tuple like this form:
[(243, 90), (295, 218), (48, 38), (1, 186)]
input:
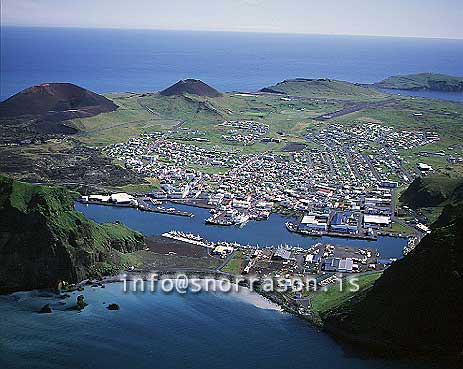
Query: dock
[(312, 233), (140, 205)]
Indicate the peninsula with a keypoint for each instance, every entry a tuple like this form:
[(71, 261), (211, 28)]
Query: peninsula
[(423, 81)]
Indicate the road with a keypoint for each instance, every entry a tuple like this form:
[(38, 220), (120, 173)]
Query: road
[(353, 109)]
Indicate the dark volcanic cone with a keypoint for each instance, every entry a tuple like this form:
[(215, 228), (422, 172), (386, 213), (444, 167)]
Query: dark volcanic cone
[(62, 99), (191, 86)]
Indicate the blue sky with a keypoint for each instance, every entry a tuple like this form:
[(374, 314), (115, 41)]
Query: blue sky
[(415, 18)]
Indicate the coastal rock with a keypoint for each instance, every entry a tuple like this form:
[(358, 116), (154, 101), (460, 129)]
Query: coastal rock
[(113, 307), (81, 304), (46, 309)]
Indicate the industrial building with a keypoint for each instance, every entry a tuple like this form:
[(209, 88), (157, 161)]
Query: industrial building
[(376, 221), (344, 222), (338, 265), (281, 254), (315, 222)]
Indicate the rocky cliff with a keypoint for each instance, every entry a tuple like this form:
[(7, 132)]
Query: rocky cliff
[(44, 241)]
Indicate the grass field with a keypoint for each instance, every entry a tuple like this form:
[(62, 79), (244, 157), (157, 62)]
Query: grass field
[(322, 302), (400, 228), (144, 113), (129, 120), (235, 264)]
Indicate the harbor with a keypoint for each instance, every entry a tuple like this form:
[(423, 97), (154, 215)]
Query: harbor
[(266, 233), (124, 200)]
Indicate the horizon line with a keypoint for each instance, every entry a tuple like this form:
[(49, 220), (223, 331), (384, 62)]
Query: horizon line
[(232, 31)]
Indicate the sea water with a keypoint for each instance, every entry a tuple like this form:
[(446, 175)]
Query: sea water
[(109, 60)]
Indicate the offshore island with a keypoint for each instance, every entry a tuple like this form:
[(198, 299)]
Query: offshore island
[(331, 158)]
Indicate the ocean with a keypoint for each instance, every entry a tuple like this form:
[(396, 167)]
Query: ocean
[(105, 60), (175, 331)]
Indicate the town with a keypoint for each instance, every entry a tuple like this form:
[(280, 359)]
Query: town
[(341, 181)]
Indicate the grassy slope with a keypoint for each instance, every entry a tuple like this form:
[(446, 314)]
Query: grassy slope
[(421, 81), (416, 304), (40, 228), (140, 113), (56, 204), (321, 302), (328, 89), (129, 120), (434, 191)]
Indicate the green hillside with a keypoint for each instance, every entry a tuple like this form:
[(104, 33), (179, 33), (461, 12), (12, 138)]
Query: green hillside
[(325, 89), (423, 81), (415, 307), (435, 190), (43, 240)]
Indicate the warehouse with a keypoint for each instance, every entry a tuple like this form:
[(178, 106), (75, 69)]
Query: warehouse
[(344, 222), (375, 221), (338, 265), (315, 221), (122, 198)]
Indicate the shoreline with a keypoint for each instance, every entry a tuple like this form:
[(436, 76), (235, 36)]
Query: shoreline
[(374, 348)]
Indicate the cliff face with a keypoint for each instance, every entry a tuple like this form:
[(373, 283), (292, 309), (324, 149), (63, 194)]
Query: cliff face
[(43, 240), (415, 307)]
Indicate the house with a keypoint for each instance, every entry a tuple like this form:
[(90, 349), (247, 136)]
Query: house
[(102, 198), (222, 250), (331, 264), (424, 167), (389, 184)]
